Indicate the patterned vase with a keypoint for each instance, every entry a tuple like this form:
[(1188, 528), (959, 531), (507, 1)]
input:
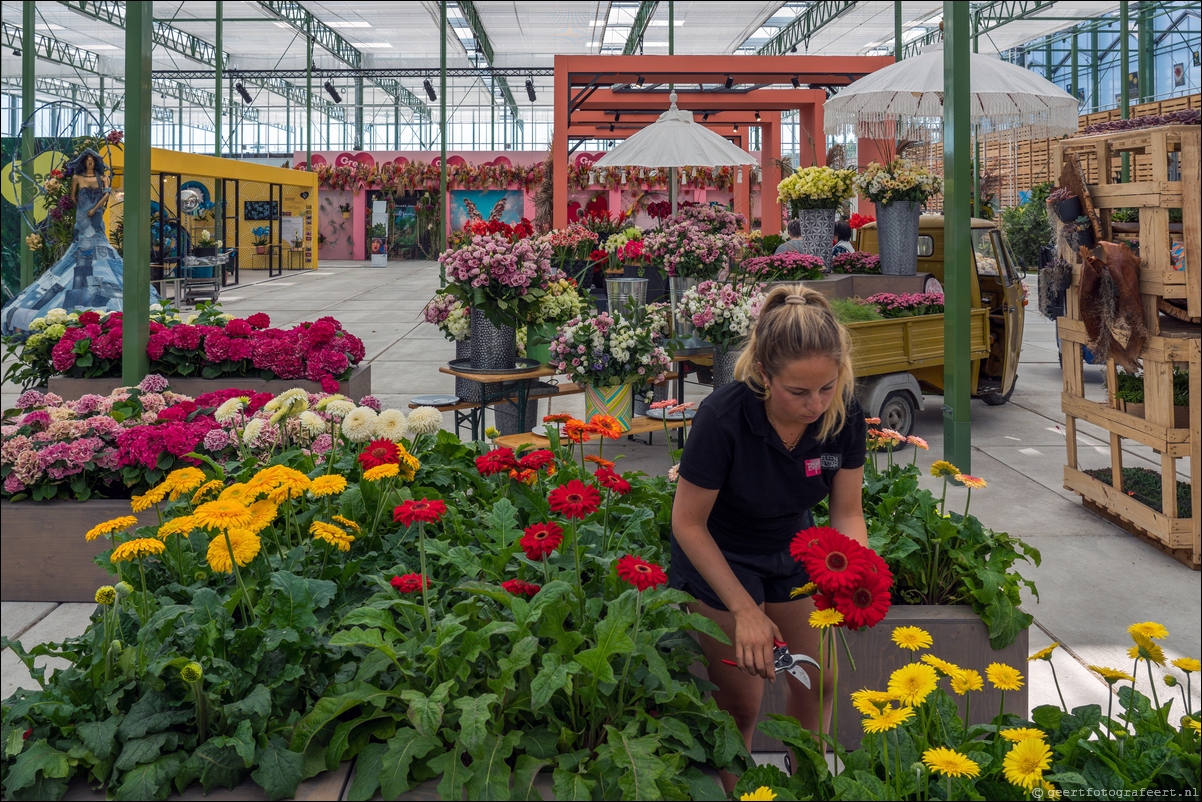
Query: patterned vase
[(897, 237), (724, 365), (466, 389), (817, 233), (493, 347), (617, 401)]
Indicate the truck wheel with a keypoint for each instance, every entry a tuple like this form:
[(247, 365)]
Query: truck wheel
[(897, 412), (996, 399)]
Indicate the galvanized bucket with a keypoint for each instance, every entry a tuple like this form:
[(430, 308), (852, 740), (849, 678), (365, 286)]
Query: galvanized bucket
[(626, 295)]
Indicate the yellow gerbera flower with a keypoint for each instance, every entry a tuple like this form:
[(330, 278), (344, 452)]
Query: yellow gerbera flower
[(385, 471), (1194, 725), (945, 668), (887, 719), (223, 514), (949, 762), (870, 702), (1044, 654), (1016, 734), (973, 482), (1145, 649), (966, 680), (207, 489), (408, 464), (289, 484), (347, 523), (1026, 762), (912, 683), (805, 590), (181, 526), (1188, 664), (821, 619), (912, 638), (106, 594), (183, 480), (243, 545), (330, 485), (339, 538), (761, 794), (943, 468), (1004, 677), (240, 492), (1049, 790), (1112, 675), (109, 527), (148, 499), (134, 549), (1149, 629), (263, 514)]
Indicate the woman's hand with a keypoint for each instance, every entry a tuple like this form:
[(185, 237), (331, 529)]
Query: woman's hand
[(754, 636)]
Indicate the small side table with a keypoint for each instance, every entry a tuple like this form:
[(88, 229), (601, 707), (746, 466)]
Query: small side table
[(522, 390), (297, 254)]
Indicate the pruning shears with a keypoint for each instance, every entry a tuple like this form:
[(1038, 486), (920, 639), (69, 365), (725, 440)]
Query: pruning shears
[(785, 661)]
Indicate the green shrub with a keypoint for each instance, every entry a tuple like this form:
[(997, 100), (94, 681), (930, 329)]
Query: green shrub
[(1027, 226), (849, 310)]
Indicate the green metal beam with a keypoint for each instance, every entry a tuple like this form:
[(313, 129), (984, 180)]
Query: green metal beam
[(915, 46), (645, 13), (816, 16), (136, 280), (28, 100), (991, 16), (49, 49), (468, 8)]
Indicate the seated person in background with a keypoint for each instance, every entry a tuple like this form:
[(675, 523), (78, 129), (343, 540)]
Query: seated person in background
[(843, 238), (793, 244)]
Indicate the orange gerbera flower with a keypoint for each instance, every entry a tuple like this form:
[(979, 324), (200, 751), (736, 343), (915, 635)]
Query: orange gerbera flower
[(578, 431), (606, 426), (601, 461)]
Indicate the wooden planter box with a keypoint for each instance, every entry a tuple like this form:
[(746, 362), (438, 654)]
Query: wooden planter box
[(357, 386), (45, 555), (1180, 413), (959, 637)]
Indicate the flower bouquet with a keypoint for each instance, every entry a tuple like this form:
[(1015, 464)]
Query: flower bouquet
[(206, 240), (816, 188), (451, 315), (898, 181), (860, 262), (627, 242), (500, 278), (603, 351), (697, 243), (787, 266), (573, 243), (722, 313)]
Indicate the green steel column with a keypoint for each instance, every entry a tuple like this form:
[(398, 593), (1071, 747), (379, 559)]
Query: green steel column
[(217, 87), (957, 248), (1076, 65), (396, 126), (442, 130), (359, 113), (897, 31), (1147, 78), (1094, 83), (1124, 72), (287, 127), (104, 117), (976, 144), (139, 22), (308, 99), (28, 100), (1047, 58)]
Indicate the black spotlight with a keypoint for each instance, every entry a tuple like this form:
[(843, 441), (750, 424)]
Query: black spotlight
[(530, 90), (617, 116), (611, 126), (705, 117), (793, 49), (729, 82), (16, 51), (757, 116), (242, 91), (796, 83), (639, 82), (329, 87), (736, 128), (430, 93)]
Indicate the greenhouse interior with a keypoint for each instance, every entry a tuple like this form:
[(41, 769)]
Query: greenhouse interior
[(422, 472)]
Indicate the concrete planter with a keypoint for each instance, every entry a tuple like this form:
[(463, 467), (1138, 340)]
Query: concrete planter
[(45, 555), (357, 386), (959, 637)]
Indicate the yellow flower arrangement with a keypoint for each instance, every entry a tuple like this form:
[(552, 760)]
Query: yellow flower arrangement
[(817, 187), (330, 485), (950, 763), (1026, 762), (223, 514), (183, 480)]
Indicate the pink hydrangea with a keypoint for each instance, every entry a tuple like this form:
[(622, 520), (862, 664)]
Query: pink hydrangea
[(29, 399), (153, 383)]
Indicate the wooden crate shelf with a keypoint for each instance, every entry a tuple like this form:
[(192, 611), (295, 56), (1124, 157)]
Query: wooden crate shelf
[(1171, 344)]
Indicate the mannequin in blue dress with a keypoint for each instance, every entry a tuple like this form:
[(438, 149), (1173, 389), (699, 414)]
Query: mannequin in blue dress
[(89, 274)]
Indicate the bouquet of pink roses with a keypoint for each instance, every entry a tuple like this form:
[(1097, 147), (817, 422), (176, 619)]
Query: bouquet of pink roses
[(502, 279)]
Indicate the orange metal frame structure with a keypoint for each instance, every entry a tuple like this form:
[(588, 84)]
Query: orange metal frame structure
[(590, 91)]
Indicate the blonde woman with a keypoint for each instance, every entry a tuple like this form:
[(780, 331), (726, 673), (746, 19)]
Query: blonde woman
[(763, 451)]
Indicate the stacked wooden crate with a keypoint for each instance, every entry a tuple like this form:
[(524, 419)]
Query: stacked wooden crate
[(1172, 342)]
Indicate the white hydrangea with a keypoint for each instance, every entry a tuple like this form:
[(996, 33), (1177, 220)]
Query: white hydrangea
[(424, 420), (57, 315)]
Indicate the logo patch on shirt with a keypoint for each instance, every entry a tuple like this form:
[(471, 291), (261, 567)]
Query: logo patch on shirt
[(813, 467), (832, 462)]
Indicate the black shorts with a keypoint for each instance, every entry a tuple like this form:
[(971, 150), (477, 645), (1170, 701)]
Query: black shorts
[(766, 577)]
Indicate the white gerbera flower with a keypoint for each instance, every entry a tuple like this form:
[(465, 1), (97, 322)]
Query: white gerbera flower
[(391, 425), (329, 399), (229, 410), (312, 423), (424, 420), (360, 425), (254, 428)]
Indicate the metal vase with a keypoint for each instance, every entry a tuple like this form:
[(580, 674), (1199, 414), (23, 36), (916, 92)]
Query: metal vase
[(683, 328), (724, 365), (466, 389), (493, 347), (626, 295), (505, 413), (817, 233), (897, 237)]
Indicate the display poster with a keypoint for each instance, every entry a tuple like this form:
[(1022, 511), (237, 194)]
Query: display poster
[(404, 220), (469, 205)]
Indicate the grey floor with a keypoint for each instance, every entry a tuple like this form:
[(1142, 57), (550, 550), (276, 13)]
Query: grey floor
[(1095, 579)]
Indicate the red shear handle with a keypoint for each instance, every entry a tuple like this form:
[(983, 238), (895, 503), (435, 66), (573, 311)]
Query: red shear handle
[(778, 643), (730, 662)]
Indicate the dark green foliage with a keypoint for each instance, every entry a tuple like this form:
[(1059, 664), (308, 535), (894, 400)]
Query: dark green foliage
[(1027, 226), (1144, 486)]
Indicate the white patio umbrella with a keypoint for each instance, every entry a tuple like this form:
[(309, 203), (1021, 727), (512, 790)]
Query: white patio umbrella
[(905, 101)]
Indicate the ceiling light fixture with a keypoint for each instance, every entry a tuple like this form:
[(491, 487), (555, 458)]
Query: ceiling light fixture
[(793, 49), (705, 117), (611, 126), (729, 82), (332, 92), (530, 90), (242, 91), (757, 116), (430, 93), (639, 82), (796, 82), (16, 51), (736, 128), (617, 116)]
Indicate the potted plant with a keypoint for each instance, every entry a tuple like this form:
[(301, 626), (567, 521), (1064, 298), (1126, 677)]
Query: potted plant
[(262, 235), (857, 262), (899, 189), (1080, 233), (787, 266), (1129, 391), (345, 208), (1065, 203), (206, 244), (723, 314), (814, 195), (321, 240), (560, 303)]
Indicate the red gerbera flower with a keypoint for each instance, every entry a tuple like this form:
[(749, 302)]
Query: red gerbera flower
[(540, 540), (865, 603), (379, 452), (831, 558), (877, 566), (537, 460), (606, 426), (520, 588), (430, 511), (410, 583), (640, 573), (578, 431), (612, 481), (559, 417), (498, 460), (824, 601), (575, 499)]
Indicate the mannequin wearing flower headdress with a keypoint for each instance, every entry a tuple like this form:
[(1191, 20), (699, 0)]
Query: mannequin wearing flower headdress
[(89, 275)]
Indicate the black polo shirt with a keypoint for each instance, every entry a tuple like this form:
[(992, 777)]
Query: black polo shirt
[(765, 491)]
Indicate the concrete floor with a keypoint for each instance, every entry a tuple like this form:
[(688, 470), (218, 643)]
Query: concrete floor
[(1094, 580)]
